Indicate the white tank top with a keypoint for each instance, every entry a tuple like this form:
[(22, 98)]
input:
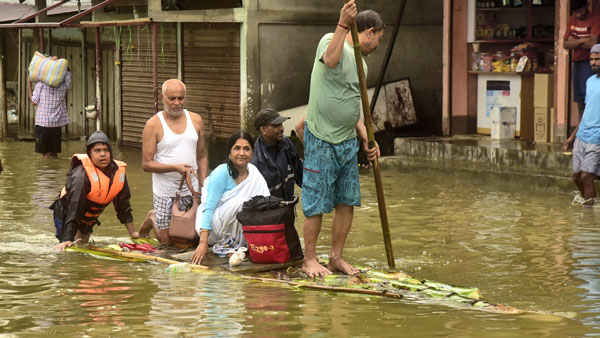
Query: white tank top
[(174, 149)]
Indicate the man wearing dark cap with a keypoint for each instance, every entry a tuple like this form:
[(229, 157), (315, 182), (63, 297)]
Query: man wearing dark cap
[(586, 148), (93, 182), (275, 155)]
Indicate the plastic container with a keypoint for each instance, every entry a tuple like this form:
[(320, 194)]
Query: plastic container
[(514, 61), (486, 64), (500, 56), (475, 57), (179, 267)]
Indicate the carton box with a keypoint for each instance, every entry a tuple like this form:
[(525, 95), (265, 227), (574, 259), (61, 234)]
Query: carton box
[(543, 90), (541, 124), (503, 122)]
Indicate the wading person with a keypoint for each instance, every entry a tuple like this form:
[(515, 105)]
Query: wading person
[(93, 182), (581, 34), (330, 143), (50, 115), (586, 148), (172, 142), (224, 192), (275, 156)]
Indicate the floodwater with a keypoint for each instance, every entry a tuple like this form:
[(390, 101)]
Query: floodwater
[(517, 239)]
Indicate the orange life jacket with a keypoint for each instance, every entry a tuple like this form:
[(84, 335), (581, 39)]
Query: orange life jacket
[(102, 192)]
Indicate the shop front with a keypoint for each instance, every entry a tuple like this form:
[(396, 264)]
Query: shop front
[(508, 71)]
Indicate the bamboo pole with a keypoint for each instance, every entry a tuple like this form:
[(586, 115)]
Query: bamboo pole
[(383, 293), (155, 65), (371, 139), (98, 77), (84, 82), (138, 255), (118, 92), (42, 42), (388, 56)]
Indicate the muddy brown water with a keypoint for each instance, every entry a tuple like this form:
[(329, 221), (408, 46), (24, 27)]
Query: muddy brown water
[(518, 240)]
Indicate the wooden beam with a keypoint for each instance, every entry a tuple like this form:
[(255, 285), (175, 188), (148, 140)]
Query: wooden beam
[(31, 25), (29, 17), (120, 3), (132, 22), (213, 15), (83, 82), (98, 82), (155, 65), (118, 108), (80, 15)]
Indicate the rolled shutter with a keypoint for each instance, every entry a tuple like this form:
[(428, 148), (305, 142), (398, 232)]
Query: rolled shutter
[(136, 75), (211, 68)]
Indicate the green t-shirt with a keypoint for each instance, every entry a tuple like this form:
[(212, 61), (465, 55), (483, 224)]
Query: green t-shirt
[(334, 103)]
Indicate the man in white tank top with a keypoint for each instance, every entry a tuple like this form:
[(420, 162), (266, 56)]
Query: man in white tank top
[(172, 143)]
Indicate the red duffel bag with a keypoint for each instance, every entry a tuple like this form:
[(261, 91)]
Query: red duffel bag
[(267, 243), (268, 224)]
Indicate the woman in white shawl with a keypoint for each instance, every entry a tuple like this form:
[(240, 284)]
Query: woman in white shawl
[(224, 191)]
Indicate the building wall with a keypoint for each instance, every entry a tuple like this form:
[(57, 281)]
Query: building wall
[(283, 35), (72, 51)]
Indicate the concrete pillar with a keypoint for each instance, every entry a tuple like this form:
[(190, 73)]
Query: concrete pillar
[(561, 74), (250, 86), (446, 68), (459, 58)]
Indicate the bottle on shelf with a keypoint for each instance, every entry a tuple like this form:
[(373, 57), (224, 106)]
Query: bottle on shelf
[(514, 60), (475, 58)]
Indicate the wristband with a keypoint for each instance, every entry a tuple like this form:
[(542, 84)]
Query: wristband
[(343, 26)]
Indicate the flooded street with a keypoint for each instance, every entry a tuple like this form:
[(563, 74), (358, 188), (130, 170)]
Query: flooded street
[(515, 238)]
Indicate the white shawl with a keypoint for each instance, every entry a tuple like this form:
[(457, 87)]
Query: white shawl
[(227, 235)]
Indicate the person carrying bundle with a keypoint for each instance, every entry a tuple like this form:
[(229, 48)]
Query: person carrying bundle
[(51, 105)]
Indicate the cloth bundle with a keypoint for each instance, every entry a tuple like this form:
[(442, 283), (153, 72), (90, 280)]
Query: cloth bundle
[(44, 68)]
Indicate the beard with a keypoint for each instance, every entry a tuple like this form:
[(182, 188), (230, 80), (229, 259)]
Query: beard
[(174, 112)]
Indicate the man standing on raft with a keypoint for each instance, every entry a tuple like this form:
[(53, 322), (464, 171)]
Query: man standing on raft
[(330, 144)]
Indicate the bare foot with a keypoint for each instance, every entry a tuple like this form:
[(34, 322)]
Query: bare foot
[(338, 264), (147, 225), (314, 269)]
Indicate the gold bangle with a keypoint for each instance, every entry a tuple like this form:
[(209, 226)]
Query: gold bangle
[(204, 230)]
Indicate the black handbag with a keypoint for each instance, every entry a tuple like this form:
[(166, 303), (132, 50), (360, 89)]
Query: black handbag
[(269, 210)]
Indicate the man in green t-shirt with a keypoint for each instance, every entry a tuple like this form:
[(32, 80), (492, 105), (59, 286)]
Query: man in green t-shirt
[(330, 145)]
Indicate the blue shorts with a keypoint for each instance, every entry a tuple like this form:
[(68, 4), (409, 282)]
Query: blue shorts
[(330, 175), (582, 70)]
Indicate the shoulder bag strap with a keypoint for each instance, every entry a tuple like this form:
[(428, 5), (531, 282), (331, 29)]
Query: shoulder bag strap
[(187, 178)]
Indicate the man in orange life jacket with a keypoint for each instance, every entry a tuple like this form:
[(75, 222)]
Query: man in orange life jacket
[(95, 180)]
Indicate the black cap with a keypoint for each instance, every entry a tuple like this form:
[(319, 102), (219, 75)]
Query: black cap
[(98, 137), (268, 116)]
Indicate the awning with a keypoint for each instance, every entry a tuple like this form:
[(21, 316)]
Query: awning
[(20, 24)]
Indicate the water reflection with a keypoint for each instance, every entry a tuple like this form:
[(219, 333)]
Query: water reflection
[(517, 239)]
